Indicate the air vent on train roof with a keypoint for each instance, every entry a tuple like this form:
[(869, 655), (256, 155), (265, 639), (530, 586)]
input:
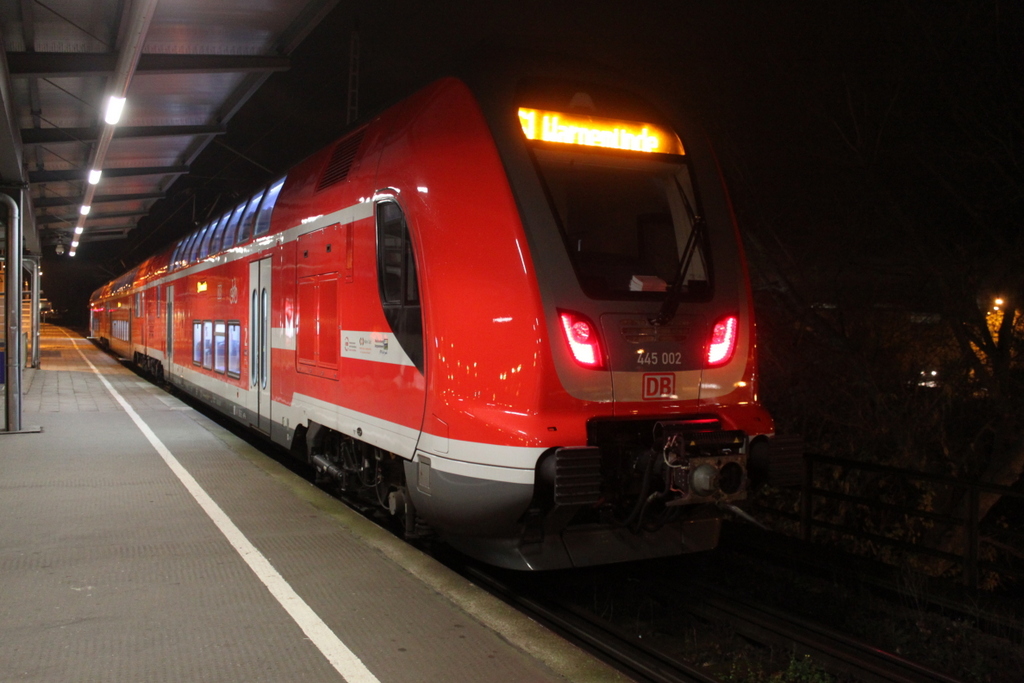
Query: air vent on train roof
[(338, 165)]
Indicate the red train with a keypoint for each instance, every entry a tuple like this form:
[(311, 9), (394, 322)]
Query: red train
[(512, 308)]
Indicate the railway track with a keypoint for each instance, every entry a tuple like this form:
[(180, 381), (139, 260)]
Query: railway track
[(637, 660), (836, 652), (840, 655)]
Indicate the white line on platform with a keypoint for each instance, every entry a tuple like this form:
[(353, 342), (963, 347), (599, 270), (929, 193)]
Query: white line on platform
[(337, 653)]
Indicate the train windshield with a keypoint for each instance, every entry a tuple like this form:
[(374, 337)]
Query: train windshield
[(625, 223)]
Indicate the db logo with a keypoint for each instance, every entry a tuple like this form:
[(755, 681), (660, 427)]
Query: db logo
[(659, 385)]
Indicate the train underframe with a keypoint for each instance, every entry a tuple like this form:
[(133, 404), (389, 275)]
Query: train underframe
[(641, 489)]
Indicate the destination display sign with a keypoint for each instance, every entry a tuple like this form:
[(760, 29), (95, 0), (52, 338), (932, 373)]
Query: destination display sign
[(593, 131)]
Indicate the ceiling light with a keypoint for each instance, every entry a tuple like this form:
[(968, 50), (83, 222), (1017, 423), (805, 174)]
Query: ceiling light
[(79, 229), (115, 105), (84, 209), (94, 176)]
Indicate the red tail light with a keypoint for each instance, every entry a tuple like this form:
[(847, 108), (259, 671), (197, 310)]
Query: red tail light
[(583, 339), (723, 340)]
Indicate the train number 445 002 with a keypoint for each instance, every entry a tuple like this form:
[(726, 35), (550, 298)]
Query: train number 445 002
[(663, 358)]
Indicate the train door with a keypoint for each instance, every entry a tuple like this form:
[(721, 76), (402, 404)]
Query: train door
[(169, 336), (139, 319), (259, 343)]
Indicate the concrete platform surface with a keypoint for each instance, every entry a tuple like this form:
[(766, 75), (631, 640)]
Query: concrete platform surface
[(141, 541)]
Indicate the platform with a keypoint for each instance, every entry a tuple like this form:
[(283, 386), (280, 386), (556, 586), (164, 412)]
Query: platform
[(142, 541)]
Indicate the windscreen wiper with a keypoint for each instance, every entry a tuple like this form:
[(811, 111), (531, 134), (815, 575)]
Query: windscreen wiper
[(671, 303)]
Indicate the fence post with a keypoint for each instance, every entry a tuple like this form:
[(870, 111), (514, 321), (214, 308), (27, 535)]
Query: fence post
[(805, 498), (971, 549)]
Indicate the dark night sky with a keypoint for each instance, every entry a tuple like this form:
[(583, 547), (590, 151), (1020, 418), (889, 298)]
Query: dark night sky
[(822, 112)]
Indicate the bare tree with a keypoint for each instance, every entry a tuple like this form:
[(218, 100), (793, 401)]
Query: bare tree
[(908, 230)]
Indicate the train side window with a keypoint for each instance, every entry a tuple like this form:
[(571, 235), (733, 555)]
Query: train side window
[(182, 259), (391, 244), (189, 254), (397, 280), (208, 344), (267, 208), (197, 342), (245, 225), (186, 249), (220, 346), (232, 228), (177, 254), (205, 249), (217, 241), (204, 246), (193, 251), (234, 349), (138, 304)]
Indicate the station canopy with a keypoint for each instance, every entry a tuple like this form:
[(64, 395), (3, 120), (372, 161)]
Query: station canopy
[(179, 68)]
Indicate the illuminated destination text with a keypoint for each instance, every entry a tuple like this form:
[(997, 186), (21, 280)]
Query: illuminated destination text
[(550, 126)]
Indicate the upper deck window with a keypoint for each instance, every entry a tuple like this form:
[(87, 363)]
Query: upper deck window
[(217, 241), (195, 242), (177, 254), (230, 233), (267, 207), (208, 247), (184, 257), (245, 225)]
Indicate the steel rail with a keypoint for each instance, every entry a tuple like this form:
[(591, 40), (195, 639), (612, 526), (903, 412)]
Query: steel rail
[(622, 651), (830, 649)]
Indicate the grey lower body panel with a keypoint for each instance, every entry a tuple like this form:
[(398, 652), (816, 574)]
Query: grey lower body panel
[(468, 506), (483, 519)]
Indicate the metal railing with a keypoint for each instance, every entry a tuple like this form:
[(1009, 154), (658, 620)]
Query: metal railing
[(961, 494)]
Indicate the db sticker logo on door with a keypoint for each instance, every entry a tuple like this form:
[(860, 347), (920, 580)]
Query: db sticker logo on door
[(659, 386)]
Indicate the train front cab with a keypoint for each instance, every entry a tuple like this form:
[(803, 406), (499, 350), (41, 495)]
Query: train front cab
[(644, 401)]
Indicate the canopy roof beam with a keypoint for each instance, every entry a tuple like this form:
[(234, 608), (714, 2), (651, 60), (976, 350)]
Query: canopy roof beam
[(69, 65), (49, 136)]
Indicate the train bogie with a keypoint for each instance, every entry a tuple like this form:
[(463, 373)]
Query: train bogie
[(513, 311)]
